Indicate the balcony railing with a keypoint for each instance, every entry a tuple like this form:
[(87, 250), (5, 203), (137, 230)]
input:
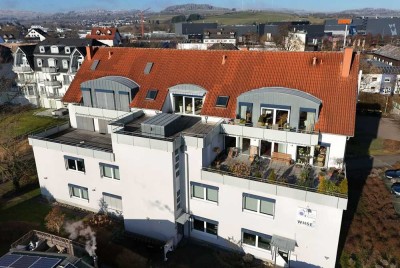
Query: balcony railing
[(49, 69), (275, 182), (22, 69), (52, 83), (25, 81)]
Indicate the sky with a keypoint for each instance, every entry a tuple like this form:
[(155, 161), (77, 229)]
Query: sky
[(157, 5)]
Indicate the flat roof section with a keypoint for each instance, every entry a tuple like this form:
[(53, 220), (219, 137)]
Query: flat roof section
[(84, 139)]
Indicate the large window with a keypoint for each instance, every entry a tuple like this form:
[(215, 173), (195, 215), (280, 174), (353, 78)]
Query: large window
[(109, 171), (255, 239), (74, 163), (206, 226), (113, 202), (276, 116), (259, 204), (188, 104), (78, 192), (307, 119), (205, 192), (245, 111)]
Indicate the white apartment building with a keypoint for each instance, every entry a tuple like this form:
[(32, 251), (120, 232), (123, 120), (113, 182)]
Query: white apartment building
[(171, 141), (45, 71)]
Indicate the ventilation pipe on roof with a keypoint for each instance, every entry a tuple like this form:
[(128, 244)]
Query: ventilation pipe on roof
[(347, 58), (314, 61), (109, 54), (224, 57), (89, 52)]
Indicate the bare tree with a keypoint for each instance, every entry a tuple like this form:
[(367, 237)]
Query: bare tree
[(287, 40)]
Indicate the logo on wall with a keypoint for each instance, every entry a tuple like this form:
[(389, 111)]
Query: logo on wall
[(393, 29), (306, 217)]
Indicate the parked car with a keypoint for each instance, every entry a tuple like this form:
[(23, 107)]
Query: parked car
[(396, 189), (392, 174)]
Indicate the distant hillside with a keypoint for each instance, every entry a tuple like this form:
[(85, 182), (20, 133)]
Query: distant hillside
[(370, 12), (193, 7)]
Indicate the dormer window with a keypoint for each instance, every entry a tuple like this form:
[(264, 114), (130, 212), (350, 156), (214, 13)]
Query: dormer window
[(54, 49), (98, 32), (41, 49), (109, 32), (151, 94), (65, 64), (67, 50), (39, 63)]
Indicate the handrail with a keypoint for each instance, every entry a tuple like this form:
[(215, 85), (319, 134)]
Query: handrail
[(297, 130), (139, 133), (289, 185)]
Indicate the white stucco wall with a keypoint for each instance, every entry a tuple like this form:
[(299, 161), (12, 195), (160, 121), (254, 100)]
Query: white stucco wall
[(337, 147)]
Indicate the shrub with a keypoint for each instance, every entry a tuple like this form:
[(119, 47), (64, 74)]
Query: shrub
[(55, 220), (343, 186), (272, 175)]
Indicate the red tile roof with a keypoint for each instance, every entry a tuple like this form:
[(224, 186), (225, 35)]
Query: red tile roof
[(242, 71), (102, 33)]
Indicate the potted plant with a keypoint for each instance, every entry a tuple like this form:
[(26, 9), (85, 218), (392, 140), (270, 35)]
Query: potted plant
[(237, 119), (261, 120)]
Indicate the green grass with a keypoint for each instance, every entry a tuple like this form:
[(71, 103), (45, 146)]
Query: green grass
[(244, 17), (25, 122), (25, 208)]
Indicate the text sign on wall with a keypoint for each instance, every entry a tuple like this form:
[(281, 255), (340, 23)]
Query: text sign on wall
[(306, 217)]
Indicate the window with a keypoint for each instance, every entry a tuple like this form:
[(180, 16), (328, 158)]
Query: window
[(255, 239), (151, 94), (178, 199), (307, 119), (52, 62), (39, 63), (276, 115), (374, 79), (41, 49), (222, 101), (67, 50), (65, 64), (205, 192), (78, 192), (109, 171), (113, 202), (74, 163), (188, 104), (259, 204), (54, 49), (206, 226), (387, 79)]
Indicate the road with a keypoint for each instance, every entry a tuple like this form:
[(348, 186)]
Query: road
[(371, 162)]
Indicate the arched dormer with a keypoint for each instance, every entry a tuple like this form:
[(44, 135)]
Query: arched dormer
[(279, 107), (109, 92), (187, 98)]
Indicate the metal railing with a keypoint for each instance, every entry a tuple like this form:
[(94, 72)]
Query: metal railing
[(290, 129), (278, 183)]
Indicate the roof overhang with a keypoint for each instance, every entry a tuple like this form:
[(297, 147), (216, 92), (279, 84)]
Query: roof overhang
[(283, 243)]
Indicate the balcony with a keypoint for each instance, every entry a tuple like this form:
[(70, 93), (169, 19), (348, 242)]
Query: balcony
[(23, 81), (285, 135), (259, 173), (52, 83), (22, 69), (49, 69)]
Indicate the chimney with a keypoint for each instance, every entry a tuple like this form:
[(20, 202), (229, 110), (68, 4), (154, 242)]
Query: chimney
[(224, 57), (89, 52), (347, 58)]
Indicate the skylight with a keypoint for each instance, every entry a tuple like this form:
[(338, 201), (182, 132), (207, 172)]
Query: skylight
[(151, 94), (222, 101)]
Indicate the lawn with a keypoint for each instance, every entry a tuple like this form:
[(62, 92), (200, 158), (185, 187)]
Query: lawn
[(363, 145), (25, 122)]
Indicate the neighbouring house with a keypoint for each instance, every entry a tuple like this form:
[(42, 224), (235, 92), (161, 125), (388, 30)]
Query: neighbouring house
[(36, 34), (388, 54), (228, 147), (107, 35), (189, 28), (46, 70), (215, 36)]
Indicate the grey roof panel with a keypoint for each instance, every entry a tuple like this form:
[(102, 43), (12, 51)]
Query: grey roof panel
[(389, 51), (283, 243), (383, 26)]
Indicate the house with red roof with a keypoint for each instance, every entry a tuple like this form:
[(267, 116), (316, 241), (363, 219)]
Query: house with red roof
[(109, 36), (241, 149)]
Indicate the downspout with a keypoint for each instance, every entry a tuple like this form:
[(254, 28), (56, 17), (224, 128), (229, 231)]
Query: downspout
[(187, 189)]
